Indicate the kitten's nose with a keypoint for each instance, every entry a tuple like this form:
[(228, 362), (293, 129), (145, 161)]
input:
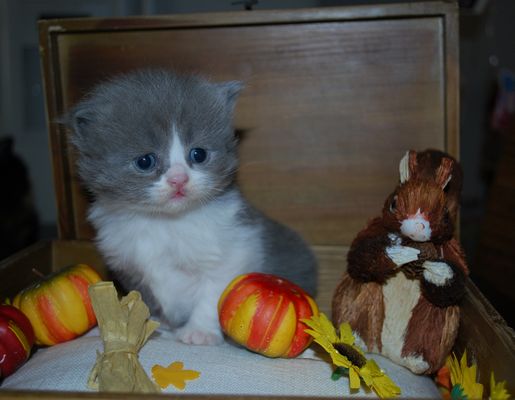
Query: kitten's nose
[(177, 177), (178, 180)]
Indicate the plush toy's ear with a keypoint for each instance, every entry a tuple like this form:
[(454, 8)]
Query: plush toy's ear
[(408, 165), (444, 172)]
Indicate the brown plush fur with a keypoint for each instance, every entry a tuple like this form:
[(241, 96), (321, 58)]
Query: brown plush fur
[(433, 344), (427, 162), (352, 297), (369, 263), (452, 251), (430, 183)]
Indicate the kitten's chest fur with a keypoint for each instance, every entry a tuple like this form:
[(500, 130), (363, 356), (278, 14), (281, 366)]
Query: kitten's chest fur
[(177, 258)]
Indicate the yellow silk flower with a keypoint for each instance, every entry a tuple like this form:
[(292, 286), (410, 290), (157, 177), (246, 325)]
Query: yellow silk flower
[(498, 390), (345, 354), (465, 376)]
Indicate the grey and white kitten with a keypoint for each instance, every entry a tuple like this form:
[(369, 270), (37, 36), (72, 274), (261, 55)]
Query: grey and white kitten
[(159, 154)]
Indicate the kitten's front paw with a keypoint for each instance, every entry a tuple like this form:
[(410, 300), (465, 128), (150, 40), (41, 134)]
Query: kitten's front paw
[(198, 336)]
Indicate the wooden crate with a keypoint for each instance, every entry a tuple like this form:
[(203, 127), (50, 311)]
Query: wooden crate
[(333, 99)]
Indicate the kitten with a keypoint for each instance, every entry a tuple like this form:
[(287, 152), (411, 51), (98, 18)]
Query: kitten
[(159, 154)]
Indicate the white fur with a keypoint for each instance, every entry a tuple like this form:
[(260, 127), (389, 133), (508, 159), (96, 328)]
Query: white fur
[(437, 272), (394, 238), (416, 227), (177, 151), (185, 250), (416, 364), (404, 168), (401, 255), (400, 297), (186, 260)]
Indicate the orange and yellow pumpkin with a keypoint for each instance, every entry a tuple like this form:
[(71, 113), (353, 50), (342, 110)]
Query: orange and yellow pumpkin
[(263, 313), (59, 307)]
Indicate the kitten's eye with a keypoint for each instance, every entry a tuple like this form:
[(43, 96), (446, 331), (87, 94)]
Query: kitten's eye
[(198, 155), (146, 162), (393, 204)]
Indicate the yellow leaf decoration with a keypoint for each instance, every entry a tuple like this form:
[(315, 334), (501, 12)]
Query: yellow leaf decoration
[(174, 375), (465, 376), (498, 390), (457, 380)]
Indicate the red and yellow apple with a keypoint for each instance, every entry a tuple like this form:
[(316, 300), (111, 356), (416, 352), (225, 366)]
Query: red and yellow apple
[(16, 339), (263, 313), (59, 306)]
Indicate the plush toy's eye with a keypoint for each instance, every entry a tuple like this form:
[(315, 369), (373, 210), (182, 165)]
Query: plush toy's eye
[(446, 215), (447, 187), (393, 204), (146, 162), (198, 155)]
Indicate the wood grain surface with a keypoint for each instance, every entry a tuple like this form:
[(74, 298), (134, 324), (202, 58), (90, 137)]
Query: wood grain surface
[(332, 100)]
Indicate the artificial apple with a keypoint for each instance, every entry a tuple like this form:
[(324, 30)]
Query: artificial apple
[(16, 339)]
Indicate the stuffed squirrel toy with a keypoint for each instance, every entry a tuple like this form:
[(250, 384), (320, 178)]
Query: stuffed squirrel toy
[(406, 273)]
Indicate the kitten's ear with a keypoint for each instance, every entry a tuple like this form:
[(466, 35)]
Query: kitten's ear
[(230, 91), (79, 119)]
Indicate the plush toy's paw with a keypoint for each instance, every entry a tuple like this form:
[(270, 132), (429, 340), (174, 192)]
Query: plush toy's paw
[(402, 254), (395, 239), (437, 272), (416, 364), (198, 336)]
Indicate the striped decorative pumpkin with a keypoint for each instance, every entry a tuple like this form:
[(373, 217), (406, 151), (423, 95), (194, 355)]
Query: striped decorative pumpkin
[(262, 312), (59, 307)]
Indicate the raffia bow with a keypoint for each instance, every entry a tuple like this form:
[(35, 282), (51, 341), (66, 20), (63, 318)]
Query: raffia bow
[(124, 327)]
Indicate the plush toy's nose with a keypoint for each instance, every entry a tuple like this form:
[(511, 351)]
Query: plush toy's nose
[(416, 227), (420, 226)]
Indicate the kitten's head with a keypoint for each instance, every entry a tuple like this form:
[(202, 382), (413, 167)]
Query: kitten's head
[(155, 141)]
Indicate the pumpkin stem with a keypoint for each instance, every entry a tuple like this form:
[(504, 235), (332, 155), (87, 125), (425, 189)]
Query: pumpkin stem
[(37, 272)]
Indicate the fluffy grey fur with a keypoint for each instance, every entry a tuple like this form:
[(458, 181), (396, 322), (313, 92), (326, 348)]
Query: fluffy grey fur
[(133, 115), (150, 112)]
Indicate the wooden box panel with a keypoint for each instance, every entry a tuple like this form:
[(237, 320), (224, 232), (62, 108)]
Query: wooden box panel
[(46, 257), (333, 99)]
